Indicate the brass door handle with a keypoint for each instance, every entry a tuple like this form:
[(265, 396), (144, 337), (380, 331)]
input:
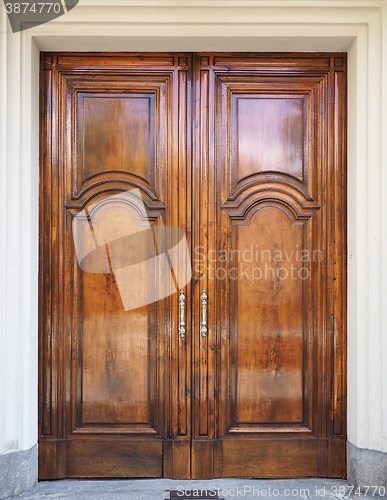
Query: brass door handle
[(182, 315), (203, 324)]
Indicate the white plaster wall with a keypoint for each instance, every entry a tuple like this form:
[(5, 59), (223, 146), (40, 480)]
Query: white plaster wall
[(359, 26)]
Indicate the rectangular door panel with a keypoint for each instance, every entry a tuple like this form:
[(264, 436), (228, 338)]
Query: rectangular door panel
[(268, 134), (116, 134), (132, 458), (114, 372), (268, 324)]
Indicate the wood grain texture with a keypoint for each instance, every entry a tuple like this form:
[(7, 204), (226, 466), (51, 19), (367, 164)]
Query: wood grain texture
[(114, 383), (268, 134), (247, 154), (268, 323), (268, 211), (265, 457), (177, 459), (52, 459), (109, 458)]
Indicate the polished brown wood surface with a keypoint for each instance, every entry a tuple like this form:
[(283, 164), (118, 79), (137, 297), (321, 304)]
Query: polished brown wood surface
[(113, 382), (246, 154), (269, 200)]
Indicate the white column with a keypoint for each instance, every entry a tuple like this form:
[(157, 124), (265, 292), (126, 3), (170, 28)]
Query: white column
[(19, 239), (367, 250)]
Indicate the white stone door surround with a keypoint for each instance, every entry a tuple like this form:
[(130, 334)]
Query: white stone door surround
[(358, 27)]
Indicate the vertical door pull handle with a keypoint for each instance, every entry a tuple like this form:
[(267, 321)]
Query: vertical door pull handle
[(203, 324), (182, 315)]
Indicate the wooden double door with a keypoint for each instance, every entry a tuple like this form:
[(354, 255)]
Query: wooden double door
[(246, 154)]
